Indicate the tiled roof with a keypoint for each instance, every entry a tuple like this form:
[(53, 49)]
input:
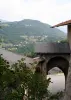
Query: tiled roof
[(62, 24)]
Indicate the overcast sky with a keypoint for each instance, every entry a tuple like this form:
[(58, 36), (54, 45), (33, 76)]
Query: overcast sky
[(47, 11)]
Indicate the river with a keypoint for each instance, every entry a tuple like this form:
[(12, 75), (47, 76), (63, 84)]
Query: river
[(58, 80), (12, 57)]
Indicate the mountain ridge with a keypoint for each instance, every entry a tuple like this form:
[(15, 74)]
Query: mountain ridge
[(31, 28)]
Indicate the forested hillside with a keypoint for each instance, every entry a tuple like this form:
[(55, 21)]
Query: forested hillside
[(20, 35)]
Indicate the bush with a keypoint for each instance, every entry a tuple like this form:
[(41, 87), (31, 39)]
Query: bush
[(57, 96), (15, 79)]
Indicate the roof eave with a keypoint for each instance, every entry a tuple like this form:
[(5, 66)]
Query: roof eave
[(62, 24)]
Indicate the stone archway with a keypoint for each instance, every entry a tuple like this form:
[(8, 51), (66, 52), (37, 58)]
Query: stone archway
[(59, 62), (57, 80), (54, 71)]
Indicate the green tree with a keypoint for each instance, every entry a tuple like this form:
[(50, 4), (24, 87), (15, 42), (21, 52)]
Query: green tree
[(38, 87), (64, 41), (15, 79), (12, 81)]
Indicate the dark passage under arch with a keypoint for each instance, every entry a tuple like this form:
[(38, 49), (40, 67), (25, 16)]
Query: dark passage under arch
[(59, 62)]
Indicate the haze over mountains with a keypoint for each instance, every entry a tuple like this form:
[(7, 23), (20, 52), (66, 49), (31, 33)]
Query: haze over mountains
[(1, 20), (15, 30)]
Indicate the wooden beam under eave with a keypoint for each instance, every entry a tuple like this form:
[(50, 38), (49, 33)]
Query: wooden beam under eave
[(69, 34)]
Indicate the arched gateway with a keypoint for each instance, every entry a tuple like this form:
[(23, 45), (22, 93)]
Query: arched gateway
[(53, 55), (68, 82)]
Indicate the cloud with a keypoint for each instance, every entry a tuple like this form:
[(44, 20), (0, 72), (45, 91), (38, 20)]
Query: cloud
[(48, 11), (10, 9)]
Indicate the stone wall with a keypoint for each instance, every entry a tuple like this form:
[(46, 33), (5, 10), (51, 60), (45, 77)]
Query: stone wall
[(68, 84)]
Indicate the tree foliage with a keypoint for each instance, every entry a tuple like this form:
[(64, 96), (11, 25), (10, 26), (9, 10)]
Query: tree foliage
[(18, 78), (64, 41)]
